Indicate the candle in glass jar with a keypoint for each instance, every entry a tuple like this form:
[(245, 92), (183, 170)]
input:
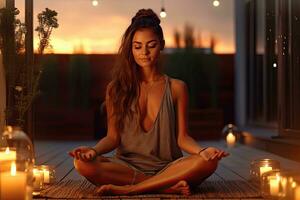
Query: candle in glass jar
[(274, 185), (46, 174), (13, 184), (8, 155), (38, 179), (230, 139), (264, 169)]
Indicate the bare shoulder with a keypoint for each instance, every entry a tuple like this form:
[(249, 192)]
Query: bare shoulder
[(178, 87)]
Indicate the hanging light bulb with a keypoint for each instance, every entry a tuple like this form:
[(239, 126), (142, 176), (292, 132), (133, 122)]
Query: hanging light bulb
[(95, 2), (163, 13), (216, 3)]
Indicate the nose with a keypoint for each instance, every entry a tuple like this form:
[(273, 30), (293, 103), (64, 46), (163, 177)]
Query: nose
[(145, 51)]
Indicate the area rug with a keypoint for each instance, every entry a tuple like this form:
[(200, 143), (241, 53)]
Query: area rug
[(82, 189)]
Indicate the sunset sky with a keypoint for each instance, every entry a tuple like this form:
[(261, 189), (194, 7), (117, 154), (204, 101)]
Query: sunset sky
[(99, 29)]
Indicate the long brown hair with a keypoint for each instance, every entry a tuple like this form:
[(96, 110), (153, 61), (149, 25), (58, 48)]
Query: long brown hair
[(124, 88)]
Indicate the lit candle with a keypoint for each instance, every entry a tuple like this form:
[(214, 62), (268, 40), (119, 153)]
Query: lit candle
[(264, 169), (46, 174), (297, 192), (274, 185), (8, 155), (38, 179), (13, 184), (230, 139)]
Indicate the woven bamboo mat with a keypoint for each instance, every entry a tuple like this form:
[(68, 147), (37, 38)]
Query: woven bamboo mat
[(82, 189)]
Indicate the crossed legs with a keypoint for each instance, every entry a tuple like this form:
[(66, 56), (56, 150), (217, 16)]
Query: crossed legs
[(113, 178)]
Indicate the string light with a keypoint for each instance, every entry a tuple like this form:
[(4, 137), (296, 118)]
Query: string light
[(216, 3), (162, 13), (95, 2)]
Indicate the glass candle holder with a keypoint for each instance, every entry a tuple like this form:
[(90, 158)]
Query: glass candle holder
[(230, 135), (38, 180), (16, 164), (48, 173), (260, 166), (293, 187), (273, 185)]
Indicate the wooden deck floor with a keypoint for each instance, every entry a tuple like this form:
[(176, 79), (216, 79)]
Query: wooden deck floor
[(234, 167)]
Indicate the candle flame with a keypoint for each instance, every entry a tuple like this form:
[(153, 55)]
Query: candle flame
[(294, 184), (13, 169), (9, 128), (7, 150)]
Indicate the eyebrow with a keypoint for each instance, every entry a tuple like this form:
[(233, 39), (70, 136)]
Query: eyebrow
[(147, 42)]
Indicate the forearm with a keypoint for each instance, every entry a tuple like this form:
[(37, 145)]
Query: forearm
[(105, 145), (189, 145)]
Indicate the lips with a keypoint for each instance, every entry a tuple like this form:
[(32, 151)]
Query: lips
[(145, 59)]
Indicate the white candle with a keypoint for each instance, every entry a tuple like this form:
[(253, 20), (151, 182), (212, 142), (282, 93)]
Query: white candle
[(13, 184), (38, 179), (230, 139), (264, 169), (297, 193), (46, 174), (274, 185), (8, 155)]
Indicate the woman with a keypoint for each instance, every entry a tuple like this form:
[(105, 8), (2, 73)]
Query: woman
[(147, 124)]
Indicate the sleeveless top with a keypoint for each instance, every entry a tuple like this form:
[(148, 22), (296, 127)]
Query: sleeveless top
[(151, 151)]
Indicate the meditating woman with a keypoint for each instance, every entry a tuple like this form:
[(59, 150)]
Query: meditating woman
[(147, 124)]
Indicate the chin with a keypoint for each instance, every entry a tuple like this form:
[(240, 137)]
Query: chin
[(145, 65)]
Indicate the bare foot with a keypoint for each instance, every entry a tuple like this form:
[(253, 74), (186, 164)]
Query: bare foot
[(181, 187), (113, 190)]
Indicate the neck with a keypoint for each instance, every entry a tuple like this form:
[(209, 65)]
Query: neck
[(149, 75)]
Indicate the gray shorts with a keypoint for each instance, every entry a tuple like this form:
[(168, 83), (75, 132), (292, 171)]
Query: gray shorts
[(149, 173)]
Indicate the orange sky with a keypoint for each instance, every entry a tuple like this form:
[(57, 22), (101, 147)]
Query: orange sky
[(90, 29)]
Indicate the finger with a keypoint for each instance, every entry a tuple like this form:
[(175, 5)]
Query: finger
[(203, 155), (226, 154), (81, 155), (90, 156), (71, 154), (214, 156), (78, 155)]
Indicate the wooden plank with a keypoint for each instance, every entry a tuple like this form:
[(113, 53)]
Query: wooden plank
[(44, 147)]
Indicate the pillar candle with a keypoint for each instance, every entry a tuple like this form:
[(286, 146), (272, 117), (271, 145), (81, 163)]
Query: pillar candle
[(13, 184), (274, 185), (38, 179), (8, 154), (230, 139), (46, 174), (264, 169)]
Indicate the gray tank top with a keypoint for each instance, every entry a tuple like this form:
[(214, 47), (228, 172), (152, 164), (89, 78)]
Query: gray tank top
[(151, 151)]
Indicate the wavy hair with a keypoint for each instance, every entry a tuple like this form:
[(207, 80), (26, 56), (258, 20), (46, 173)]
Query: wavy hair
[(124, 88)]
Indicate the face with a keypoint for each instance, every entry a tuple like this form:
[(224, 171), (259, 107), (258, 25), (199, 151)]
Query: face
[(145, 47)]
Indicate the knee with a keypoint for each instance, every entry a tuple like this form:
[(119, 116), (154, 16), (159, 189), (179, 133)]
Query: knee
[(206, 166), (84, 168)]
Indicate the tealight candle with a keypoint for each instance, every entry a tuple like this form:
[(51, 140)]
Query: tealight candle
[(13, 184), (230, 139), (264, 169), (8, 155)]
